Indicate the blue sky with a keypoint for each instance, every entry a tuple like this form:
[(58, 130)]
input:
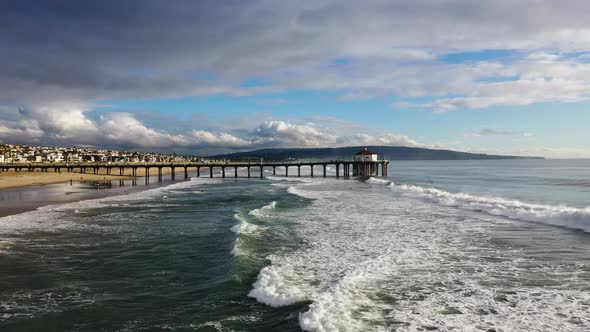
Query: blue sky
[(493, 76)]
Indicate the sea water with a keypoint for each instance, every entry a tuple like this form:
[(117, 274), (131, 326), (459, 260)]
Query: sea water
[(439, 245)]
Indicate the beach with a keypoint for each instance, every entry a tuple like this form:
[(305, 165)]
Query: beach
[(24, 191), (12, 179)]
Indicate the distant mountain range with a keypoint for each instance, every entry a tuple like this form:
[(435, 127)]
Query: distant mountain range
[(384, 152)]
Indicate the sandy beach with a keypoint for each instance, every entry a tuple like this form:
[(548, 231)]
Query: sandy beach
[(12, 179)]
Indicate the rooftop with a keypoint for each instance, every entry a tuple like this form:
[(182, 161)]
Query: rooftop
[(365, 152)]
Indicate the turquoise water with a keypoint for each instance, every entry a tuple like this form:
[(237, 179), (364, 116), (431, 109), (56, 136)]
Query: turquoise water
[(453, 245)]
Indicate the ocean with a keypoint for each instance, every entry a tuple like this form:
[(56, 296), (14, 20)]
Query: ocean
[(495, 245)]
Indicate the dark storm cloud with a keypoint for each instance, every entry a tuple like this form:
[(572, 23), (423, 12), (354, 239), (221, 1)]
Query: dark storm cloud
[(86, 50)]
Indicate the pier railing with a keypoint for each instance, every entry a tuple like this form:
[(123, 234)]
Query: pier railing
[(343, 168)]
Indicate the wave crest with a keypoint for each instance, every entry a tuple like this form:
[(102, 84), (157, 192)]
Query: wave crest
[(556, 215), (272, 289), (263, 211)]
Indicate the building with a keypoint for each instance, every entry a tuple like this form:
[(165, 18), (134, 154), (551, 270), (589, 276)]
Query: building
[(366, 156), (2, 159), (56, 157), (74, 157)]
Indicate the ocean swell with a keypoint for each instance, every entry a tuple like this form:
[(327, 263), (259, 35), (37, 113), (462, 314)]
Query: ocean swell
[(555, 215), (52, 217)]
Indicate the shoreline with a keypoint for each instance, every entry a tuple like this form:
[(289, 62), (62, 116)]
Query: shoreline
[(12, 179), (36, 191)]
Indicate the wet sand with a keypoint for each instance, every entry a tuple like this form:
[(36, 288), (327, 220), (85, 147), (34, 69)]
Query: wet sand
[(12, 179), (81, 187)]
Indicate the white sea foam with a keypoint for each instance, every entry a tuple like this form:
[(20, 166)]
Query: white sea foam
[(243, 226), (236, 250), (272, 288), (23, 304), (414, 267), (54, 217), (264, 211), (373, 180), (556, 215), (292, 179), (296, 191), (5, 246)]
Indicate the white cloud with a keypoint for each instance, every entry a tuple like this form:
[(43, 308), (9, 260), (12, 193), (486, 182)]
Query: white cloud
[(124, 129), (208, 138), (536, 79), (381, 139), (493, 132), (20, 131), (61, 122), (280, 133)]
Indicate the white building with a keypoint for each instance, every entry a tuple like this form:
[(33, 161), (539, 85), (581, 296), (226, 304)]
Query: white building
[(366, 155), (55, 157), (2, 160), (74, 157)]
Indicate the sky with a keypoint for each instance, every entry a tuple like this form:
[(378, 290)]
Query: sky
[(199, 77)]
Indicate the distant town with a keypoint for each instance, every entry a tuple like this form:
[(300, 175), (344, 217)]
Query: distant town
[(12, 153)]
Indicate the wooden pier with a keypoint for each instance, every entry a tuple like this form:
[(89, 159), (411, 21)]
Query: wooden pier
[(228, 169)]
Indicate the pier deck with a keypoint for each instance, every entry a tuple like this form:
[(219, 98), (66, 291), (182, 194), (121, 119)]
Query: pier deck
[(343, 168)]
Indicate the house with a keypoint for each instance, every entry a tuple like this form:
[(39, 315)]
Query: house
[(74, 157), (2, 160), (56, 157), (366, 155)]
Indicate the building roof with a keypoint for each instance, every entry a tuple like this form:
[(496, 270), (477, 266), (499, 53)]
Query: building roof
[(365, 152)]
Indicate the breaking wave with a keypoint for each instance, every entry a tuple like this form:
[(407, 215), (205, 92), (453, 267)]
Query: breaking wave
[(246, 227), (555, 215), (243, 226), (383, 267), (373, 180), (50, 217), (263, 211), (272, 289)]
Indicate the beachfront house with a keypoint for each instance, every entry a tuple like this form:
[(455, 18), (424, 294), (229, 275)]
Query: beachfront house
[(74, 157), (56, 157), (365, 155)]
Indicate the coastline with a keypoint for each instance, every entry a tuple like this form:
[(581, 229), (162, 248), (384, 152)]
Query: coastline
[(30, 191), (12, 179)]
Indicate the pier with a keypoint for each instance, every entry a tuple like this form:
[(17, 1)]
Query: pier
[(343, 168)]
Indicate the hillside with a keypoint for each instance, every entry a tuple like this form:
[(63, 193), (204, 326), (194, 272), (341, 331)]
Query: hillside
[(385, 152)]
